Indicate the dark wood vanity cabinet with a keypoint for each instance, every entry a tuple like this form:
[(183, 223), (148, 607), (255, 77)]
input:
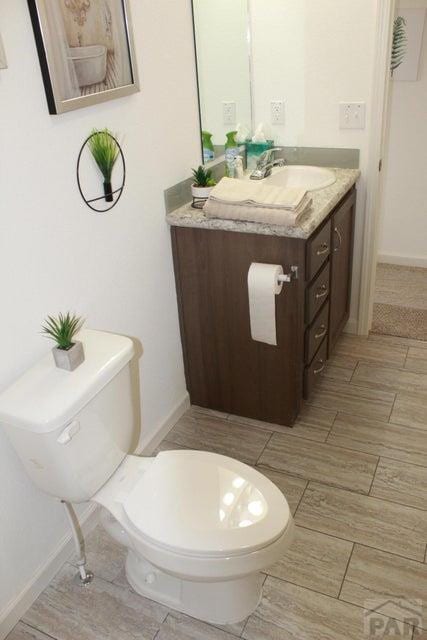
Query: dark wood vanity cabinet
[(225, 369)]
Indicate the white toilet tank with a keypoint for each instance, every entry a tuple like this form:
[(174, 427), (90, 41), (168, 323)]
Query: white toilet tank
[(73, 429)]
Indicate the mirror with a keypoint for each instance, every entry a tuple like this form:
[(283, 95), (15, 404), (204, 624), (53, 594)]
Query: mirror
[(222, 38)]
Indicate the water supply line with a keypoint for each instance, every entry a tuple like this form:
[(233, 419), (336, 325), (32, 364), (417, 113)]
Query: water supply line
[(85, 576)]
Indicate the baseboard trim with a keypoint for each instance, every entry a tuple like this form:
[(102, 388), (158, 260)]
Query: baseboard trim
[(404, 261), (16, 608), (351, 326), (148, 446)]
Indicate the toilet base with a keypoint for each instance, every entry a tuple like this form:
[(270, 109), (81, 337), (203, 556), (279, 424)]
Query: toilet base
[(223, 602)]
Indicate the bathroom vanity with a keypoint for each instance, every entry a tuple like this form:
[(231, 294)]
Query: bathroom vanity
[(225, 368)]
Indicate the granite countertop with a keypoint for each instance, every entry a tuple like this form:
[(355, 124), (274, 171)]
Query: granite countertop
[(324, 200)]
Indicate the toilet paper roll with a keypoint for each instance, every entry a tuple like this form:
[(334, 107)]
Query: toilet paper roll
[(263, 287)]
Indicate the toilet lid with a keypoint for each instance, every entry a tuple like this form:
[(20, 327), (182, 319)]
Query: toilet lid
[(200, 503)]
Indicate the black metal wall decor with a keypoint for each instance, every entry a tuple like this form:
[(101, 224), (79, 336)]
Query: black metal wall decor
[(103, 198)]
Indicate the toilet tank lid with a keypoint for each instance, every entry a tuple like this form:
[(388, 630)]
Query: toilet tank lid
[(46, 397)]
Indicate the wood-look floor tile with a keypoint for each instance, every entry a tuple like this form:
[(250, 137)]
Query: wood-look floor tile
[(410, 409), (289, 612), (166, 445), (105, 557), (23, 632), (387, 379), (360, 349), (357, 400), (180, 627), (195, 409), (419, 634), (314, 560), (380, 438), (226, 437), (417, 359), (334, 371), (291, 487), (364, 519), (102, 610), (397, 340), (312, 423), (395, 585), (401, 482), (320, 461)]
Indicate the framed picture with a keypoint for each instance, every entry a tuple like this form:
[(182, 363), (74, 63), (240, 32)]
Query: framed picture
[(86, 51), (3, 61)]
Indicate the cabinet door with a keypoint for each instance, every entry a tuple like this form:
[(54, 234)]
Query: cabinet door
[(341, 267)]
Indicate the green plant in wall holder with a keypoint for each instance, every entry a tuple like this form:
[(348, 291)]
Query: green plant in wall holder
[(105, 150), (68, 353), (400, 43)]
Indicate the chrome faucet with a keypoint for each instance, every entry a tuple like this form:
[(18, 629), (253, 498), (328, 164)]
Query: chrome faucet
[(266, 162)]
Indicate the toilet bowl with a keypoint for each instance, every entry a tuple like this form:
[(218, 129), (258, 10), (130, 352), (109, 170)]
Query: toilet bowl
[(200, 528)]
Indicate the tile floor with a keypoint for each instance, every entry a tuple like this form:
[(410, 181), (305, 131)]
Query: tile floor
[(400, 301), (354, 470)]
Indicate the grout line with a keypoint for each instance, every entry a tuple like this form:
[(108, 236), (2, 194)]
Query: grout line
[(392, 407), (244, 626), (301, 499), (373, 477), (32, 626), (346, 570), (265, 447)]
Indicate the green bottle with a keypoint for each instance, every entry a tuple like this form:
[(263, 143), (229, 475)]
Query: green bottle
[(208, 148), (231, 153)]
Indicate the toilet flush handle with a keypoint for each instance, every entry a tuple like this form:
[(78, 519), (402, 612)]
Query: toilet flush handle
[(69, 432)]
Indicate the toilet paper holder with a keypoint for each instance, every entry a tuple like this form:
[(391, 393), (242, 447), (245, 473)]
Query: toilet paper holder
[(288, 277)]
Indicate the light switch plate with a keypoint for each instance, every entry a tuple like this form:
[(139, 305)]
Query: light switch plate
[(229, 113), (352, 115), (277, 112)]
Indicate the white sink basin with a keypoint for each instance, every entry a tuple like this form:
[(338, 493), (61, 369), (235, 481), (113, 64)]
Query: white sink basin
[(310, 178)]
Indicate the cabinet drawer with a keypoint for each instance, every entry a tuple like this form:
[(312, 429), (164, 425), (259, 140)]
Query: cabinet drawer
[(318, 250), (316, 332), (316, 294), (313, 372)]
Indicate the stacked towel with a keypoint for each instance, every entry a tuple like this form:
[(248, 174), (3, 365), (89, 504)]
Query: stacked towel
[(256, 202)]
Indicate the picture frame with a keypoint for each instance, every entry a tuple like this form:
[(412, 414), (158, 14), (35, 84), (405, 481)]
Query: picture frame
[(86, 51), (3, 60)]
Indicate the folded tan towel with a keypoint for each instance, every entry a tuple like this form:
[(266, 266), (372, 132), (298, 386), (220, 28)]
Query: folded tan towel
[(252, 213), (253, 192)]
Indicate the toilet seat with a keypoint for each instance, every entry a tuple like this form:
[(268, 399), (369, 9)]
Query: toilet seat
[(201, 504)]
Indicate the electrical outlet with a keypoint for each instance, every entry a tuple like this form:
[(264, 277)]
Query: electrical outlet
[(277, 112), (352, 115), (229, 113)]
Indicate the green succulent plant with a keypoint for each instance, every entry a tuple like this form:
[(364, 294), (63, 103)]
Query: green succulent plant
[(203, 177), (400, 43), (105, 151), (62, 329)]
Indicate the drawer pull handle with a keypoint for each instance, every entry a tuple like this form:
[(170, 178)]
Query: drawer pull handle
[(322, 333), (337, 231), (320, 369), (322, 292), (323, 248)]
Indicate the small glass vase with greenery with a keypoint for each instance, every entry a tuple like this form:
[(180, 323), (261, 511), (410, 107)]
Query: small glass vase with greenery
[(105, 151), (68, 353), (203, 182)]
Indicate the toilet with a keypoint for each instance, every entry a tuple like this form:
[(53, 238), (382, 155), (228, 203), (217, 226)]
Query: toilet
[(200, 528)]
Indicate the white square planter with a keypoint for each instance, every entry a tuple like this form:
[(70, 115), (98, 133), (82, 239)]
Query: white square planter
[(69, 359)]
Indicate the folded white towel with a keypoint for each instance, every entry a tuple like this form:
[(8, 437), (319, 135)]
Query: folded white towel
[(255, 213), (252, 192)]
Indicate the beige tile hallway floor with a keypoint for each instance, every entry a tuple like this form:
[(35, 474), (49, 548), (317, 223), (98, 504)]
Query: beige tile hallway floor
[(354, 470)]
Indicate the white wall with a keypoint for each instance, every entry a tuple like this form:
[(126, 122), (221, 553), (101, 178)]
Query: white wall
[(404, 206), (55, 254), (223, 63), (314, 55)]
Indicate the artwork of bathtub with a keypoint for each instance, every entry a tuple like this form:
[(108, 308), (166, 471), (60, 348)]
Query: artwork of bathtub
[(90, 64)]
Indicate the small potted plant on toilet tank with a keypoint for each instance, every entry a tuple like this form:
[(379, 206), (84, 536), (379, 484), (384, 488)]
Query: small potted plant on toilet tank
[(68, 352)]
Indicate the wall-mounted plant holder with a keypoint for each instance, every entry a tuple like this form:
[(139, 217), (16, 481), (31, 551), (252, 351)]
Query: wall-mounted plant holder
[(3, 61), (101, 171)]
